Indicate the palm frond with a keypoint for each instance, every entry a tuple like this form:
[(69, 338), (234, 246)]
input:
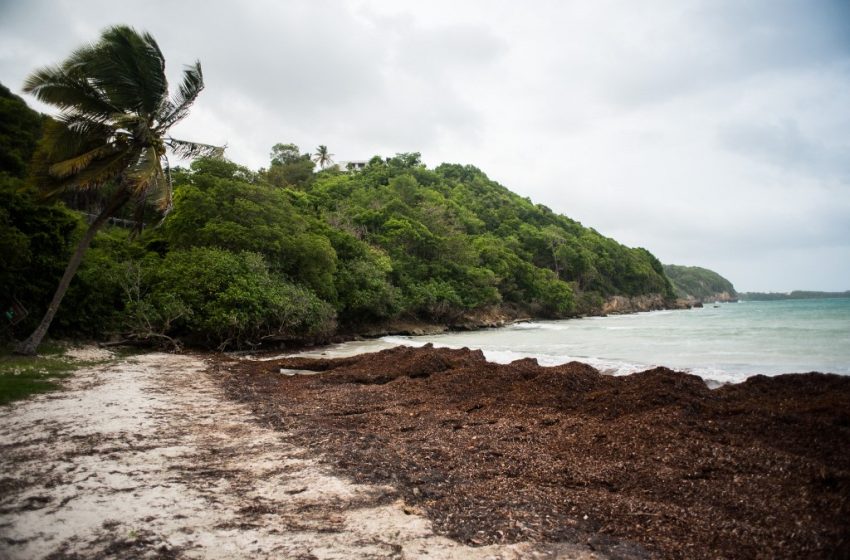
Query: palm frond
[(165, 199), (155, 74), (177, 108), (98, 173), (189, 150), (150, 183), (128, 124), (127, 67), (153, 182), (70, 166), (87, 127), (144, 172), (323, 156), (162, 194), (60, 141), (56, 87), (74, 144)]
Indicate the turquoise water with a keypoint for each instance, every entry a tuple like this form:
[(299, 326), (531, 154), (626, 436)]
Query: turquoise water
[(727, 343)]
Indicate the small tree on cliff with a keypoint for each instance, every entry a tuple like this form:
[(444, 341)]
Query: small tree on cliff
[(115, 114)]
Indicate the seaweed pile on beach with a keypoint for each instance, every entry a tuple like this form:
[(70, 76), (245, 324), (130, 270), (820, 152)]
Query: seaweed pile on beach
[(651, 464)]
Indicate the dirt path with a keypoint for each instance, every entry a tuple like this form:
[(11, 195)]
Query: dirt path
[(148, 459)]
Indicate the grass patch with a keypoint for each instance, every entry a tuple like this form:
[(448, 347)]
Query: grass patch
[(22, 376)]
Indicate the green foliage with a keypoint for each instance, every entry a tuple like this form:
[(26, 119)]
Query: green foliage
[(549, 296), (284, 154), (222, 299), (20, 129), (289, 167), (217, 206), (459, 241), (96, 301), (364, 290), (697, 283), (35, 241), (433, 298), (405, 161), (365, 293), (211, 209), (36, 238)]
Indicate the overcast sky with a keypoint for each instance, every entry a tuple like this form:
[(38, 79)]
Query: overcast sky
[(713, 133)]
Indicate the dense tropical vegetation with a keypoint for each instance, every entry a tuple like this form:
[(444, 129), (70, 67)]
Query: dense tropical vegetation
[(292, 251), (240, 259)]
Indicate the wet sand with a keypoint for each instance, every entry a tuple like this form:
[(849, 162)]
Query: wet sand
[(649, 465)]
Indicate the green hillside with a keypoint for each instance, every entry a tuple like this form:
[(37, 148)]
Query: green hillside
[(288, 252), (701, 284)]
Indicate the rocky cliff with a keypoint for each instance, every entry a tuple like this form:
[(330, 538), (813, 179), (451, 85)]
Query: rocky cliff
[(618, 305)]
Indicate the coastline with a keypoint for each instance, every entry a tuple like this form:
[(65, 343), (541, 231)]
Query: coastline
[(480, 319), (653, 463), (723, 343)]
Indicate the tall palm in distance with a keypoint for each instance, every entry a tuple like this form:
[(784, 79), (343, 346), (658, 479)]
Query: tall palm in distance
[(111, 134), (323, 157)]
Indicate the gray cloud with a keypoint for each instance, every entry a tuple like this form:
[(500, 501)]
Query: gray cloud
[(707, 45), (712, 132), (783, 144)]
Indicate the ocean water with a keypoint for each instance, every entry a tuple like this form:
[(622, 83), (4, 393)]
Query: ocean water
[(721, 344)]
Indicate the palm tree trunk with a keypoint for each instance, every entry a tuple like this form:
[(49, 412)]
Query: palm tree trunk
[(29, 346)]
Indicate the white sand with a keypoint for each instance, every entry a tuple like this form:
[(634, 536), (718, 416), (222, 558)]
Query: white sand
[(148, 459), (88, 354)]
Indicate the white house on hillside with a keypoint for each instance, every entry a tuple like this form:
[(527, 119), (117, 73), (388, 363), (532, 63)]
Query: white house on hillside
[(354, 165)]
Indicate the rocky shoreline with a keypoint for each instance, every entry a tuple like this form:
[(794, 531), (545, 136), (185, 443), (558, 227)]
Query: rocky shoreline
[(504, 315), (649, 465)]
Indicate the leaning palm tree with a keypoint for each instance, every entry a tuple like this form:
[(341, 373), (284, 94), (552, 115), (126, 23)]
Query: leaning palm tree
[(323, 157), (111, 134)]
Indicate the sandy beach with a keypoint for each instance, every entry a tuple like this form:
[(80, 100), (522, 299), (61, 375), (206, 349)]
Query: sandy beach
[(148, 458), (422, 453)]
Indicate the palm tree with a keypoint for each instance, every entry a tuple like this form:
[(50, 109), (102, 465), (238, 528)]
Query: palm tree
[(323, 157), (111, 133)]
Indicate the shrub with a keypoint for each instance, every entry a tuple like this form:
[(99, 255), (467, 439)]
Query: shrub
[(435, 299), (35, 242), (222, 299)]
